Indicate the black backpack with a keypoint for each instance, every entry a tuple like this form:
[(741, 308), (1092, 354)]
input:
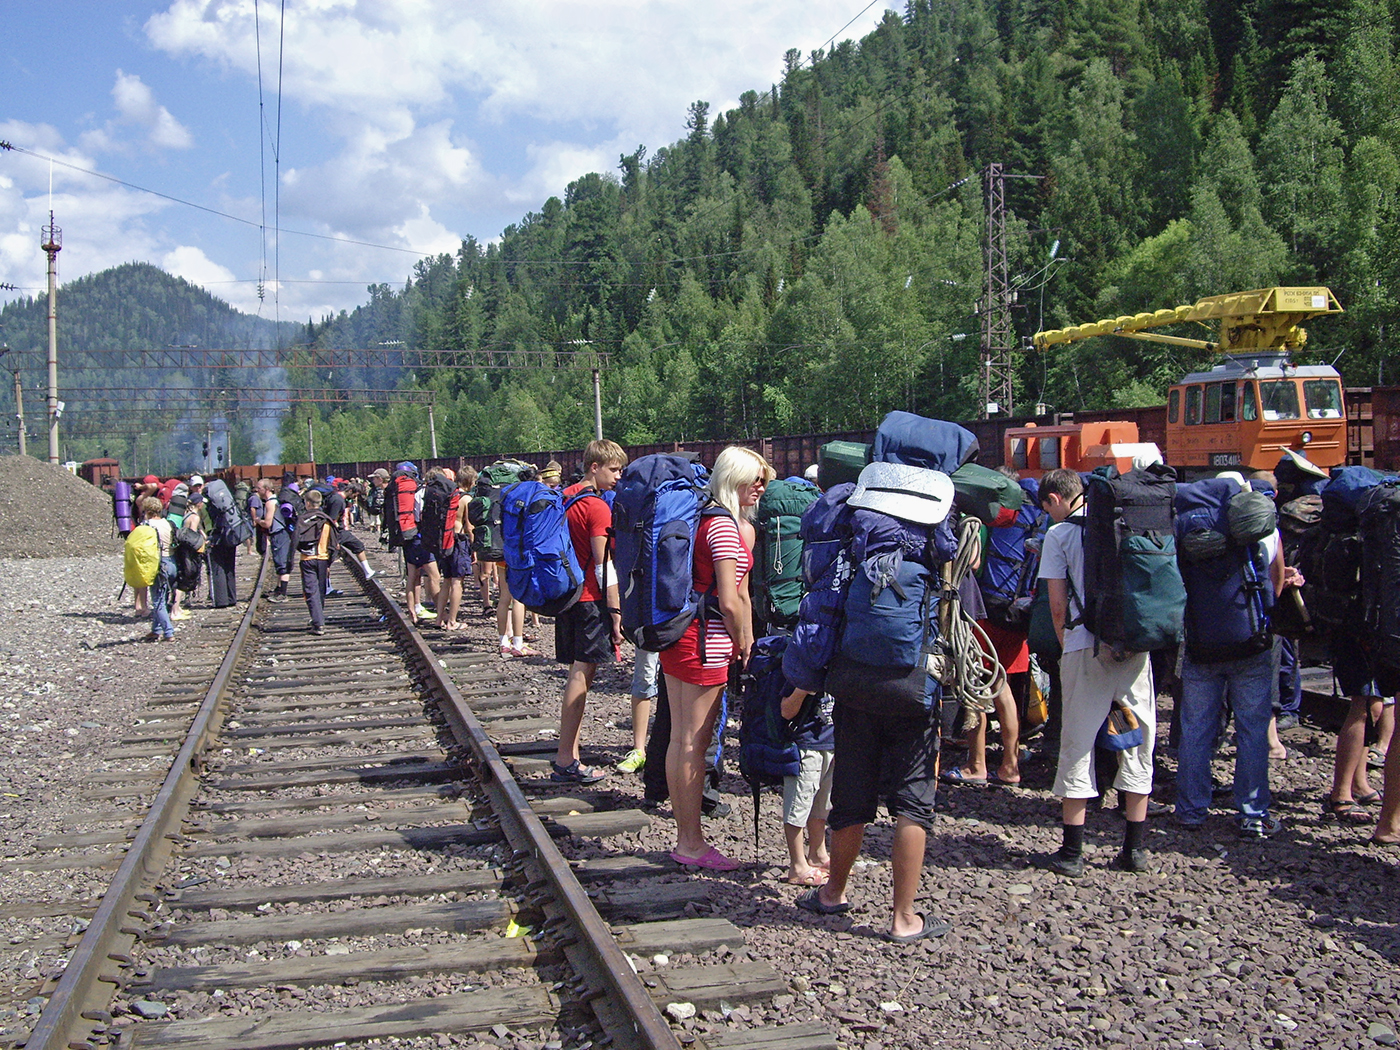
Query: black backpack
[(1133, 600), (1330, 552), (309, 531), (1380, 571), (229, 517), (437, 498), (484, 511), (188, 551), (289, 505)]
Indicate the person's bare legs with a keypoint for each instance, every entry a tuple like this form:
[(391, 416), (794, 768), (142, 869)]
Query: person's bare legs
[(975, 768), (817, 856), (432, 588), (641, 712), (1385, 727), (453, 585), (1009, 772), (1277, 752), (576, 688), (908, 864), (845, 850), (503, 603), (1349, 768), (801, 871), (1388, 827), (694, 709)]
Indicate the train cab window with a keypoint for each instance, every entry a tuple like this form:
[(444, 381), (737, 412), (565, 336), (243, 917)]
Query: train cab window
[(1279, 398), (1227, 402), (1193, 405), (1049, 453), (1173, 405), (1212, 411), (1323, 397), (1249, 407), (1018, 454)]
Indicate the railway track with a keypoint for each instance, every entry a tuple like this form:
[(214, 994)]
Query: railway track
[(340, 852)]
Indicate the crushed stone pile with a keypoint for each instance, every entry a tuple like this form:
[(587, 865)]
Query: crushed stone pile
[(46, 512)]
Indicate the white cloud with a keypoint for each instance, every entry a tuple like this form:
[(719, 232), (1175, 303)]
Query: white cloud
[(194, 266), (137, 107)]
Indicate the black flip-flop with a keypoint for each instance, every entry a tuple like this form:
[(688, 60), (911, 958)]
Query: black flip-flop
[(930, 928), (812, 901)]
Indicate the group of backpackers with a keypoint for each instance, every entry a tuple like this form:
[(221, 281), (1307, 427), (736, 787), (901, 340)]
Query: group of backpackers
[(186, 525)]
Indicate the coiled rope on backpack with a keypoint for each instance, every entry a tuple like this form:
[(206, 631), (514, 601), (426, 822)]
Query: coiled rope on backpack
[(976, 674)]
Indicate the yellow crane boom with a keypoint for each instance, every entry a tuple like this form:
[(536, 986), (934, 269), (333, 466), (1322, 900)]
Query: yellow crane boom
[(1262, 319)]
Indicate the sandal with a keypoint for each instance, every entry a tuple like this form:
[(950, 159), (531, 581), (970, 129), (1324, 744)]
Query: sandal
[(957, 776), (1344, 812), (1373, 799), (812, 901), (574, 773), (815, 877)]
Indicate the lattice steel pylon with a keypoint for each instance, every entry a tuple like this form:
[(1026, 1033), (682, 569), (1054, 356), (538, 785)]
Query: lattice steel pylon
[(998, 335)]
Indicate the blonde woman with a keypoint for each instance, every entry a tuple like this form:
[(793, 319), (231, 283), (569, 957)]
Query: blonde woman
[(696, 674)]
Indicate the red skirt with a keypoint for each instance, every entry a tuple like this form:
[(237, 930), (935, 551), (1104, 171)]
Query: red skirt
[(682, 660), (1013, 653)]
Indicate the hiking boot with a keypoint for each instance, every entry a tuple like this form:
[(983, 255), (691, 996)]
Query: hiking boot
[(1134, 860), (718, 811), (632, 761), (317, 630), (1286, 721), (1260, 827), (1070, 867)]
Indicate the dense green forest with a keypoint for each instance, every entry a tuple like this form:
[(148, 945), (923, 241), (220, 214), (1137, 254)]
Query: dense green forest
[(814, 257), (136, 307)]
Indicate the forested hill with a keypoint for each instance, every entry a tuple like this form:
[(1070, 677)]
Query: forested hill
[(134, 306), (811, 258)]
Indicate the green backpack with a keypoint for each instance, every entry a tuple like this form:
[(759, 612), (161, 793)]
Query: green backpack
[(484, 510), (777, 556), (841, 461), (987, 494)]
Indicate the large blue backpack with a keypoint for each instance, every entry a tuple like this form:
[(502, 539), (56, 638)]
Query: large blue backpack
[(656, 514), (542, 568), (1330, 552), (1229, 593), (889, 633), (826, 575), (767, 751), (917, 441), (1011, 563)]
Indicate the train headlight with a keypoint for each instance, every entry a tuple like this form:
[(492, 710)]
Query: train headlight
[(1307, 437)]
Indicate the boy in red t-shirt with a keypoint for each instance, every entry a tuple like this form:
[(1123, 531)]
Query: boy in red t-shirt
[(588, 632)]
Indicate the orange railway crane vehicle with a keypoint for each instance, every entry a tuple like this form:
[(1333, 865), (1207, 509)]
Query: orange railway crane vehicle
[(1257, 403)]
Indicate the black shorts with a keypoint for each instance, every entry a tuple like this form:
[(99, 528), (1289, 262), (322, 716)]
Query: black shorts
[(350, 542), (583, 634), (456, 564), (881, 757), (1358, 672), (415, 553)]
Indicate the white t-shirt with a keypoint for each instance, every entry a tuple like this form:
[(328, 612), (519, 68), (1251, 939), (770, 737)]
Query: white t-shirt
[(1062, 558)]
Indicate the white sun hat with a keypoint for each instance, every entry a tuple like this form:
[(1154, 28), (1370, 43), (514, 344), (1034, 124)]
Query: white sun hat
[(913, 494)]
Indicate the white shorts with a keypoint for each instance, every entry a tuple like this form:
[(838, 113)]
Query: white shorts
[(808, 794), (1090, 687)]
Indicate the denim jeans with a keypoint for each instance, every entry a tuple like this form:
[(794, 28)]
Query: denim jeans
[(1248, 685), (161, 593)]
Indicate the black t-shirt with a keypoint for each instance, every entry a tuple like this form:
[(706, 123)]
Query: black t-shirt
[(334, 506)]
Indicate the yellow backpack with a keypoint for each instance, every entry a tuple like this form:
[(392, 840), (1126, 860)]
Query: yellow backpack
[(142, 562)]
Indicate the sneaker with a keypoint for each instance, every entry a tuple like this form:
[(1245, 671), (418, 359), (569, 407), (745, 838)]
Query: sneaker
[(1260, 827), (1134, 860), (1070, 867), (632, 761), (424, 613), (335, 593), (276, 597), (317, 630), (1287, 721), (718, 811), (369, 572), (181, 614)]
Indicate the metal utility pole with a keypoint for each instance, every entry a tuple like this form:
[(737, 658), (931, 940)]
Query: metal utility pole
[(208, 441), (52, 245), (998, 337), (598, 404), (310, 441), (19, 413), (432, 430)]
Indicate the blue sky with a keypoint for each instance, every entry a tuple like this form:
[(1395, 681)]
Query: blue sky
[(408, 124)]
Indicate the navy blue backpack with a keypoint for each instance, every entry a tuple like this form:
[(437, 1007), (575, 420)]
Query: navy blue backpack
[(767, 751), (826, 574), (1229, 593), (656, 513), (1011, 563), (917, 441), (542, 568)]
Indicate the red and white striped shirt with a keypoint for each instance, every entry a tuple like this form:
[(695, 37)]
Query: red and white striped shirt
[(716, 540)]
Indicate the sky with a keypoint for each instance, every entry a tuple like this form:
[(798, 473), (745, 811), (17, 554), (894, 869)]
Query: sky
[(404, 125)]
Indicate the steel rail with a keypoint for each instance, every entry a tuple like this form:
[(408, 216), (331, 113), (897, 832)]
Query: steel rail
[(527, 834), (60, 1022)]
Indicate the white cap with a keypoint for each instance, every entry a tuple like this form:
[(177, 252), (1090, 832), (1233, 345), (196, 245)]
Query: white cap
[(195, 479), (810, 474)]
